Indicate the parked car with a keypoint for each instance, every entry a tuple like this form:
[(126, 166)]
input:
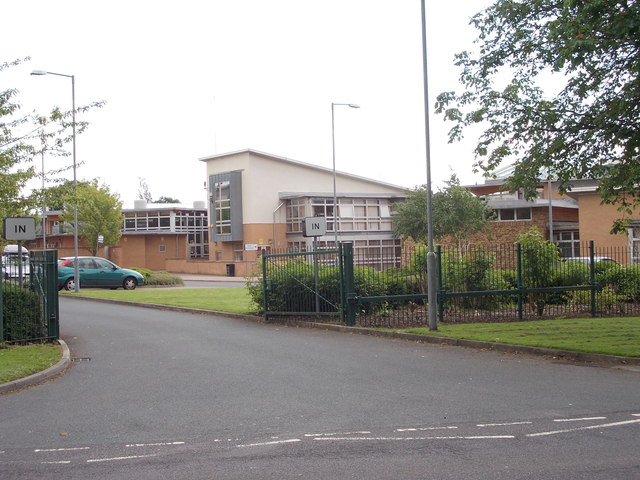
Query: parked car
[(587, 260), (96, 272), (11, 260)]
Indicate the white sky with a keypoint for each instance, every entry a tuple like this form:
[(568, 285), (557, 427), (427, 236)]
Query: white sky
[(184, 80)]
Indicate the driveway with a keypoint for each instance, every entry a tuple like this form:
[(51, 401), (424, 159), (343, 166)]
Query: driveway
[(154, 393)]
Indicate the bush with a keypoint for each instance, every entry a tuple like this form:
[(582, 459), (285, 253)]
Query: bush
[(625, 281), (153, 278), (22, 314)]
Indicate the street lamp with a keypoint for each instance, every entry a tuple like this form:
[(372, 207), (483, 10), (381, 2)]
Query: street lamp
[(76, 273), (431, 256), (333, 142)]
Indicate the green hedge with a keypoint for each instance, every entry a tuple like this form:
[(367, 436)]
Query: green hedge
[(22, 314)]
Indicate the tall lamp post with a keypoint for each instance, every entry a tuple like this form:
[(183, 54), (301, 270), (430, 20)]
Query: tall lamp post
[(76, 273), (333, 143), (431, 256)]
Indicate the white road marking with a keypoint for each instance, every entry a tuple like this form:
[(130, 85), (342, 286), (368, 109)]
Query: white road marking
[(161, 444), (60, 462), (470, 437), (424, 429), (481, 425), (265, 444), (585, 419), (42, 450), (113, 459), (334, 434), (590, 427)]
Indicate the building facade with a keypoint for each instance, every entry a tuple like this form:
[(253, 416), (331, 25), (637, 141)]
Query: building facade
[(259, 201)]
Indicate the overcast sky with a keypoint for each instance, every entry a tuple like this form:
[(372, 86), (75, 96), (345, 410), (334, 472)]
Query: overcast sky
[(185, 80)]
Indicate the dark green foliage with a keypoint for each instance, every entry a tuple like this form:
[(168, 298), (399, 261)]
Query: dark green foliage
[(152, 277), (625, 281), (473, 271), (21, 314), (571, 98)]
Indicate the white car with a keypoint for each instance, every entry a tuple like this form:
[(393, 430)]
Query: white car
[(11, 267)]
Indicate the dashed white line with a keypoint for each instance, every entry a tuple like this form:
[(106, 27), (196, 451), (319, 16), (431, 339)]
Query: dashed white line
[(73, 449), (584, 419), (398, 439), (59, 462), (482, 425), (590, 427), (114, 459), (265, 444), (161, 444), (424, 429), (334, 434)]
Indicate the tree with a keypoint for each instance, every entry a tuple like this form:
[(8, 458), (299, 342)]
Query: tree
[(164, 199), (99, 213), (456, 212), (589, 52), (24, 137)]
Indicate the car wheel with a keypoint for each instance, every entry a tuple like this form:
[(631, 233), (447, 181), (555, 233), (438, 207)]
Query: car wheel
[(129, 283), (70, 284)]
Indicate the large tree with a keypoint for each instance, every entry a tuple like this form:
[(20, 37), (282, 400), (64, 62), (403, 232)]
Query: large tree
[(99, 213), (24, 137), (457, 213), (555, 85)]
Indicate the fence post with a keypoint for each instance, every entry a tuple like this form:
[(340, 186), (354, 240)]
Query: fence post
[(50, 266), (343, 298), (519, 279), (592, 277), (1, 312), (440, 288), (265, 300), (349, 291)]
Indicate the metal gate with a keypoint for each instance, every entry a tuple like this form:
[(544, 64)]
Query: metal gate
[(29, 305), (306, 283)]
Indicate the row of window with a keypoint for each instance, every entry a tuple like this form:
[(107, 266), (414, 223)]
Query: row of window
[(353, 214), (164, 221)]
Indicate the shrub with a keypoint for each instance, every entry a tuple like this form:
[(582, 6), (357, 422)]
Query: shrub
[(21, 314)]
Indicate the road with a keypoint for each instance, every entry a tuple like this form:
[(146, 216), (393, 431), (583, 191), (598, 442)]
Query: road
[(155, 393)]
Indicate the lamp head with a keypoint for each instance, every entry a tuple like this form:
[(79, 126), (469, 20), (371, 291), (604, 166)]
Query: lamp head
[(38, 72), (354, 105)]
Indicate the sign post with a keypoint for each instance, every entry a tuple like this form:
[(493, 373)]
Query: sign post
[(315, 227), (19, 229)]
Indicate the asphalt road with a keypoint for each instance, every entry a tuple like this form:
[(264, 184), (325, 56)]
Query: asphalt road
[(162, 394)]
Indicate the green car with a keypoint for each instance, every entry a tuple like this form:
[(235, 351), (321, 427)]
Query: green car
[(96, 272)]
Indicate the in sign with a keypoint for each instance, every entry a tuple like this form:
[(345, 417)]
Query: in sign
[(19, 228), (314, 226)]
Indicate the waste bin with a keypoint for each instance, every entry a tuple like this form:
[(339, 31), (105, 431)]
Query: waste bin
[(231, 270)]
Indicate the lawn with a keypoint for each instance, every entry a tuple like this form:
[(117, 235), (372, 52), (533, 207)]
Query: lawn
[(609, 336), (22, 361), (232, 300)]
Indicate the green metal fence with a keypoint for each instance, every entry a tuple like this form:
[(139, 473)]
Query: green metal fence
[(476, 284), (29, 305)]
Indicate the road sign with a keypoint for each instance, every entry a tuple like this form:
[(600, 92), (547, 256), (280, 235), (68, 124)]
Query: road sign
[(19, 228), (314, 227)]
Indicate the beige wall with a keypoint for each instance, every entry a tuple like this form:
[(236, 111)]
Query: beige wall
[(596, 221), (263, 178)]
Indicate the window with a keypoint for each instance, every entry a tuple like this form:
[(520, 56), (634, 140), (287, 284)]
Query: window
[(226, 207), (634, 241), (513, 214), (162, 248), (568, 243)]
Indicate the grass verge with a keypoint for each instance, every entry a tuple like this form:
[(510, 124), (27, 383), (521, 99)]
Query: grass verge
[(19, 361), (608, 336), (232, 300)]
